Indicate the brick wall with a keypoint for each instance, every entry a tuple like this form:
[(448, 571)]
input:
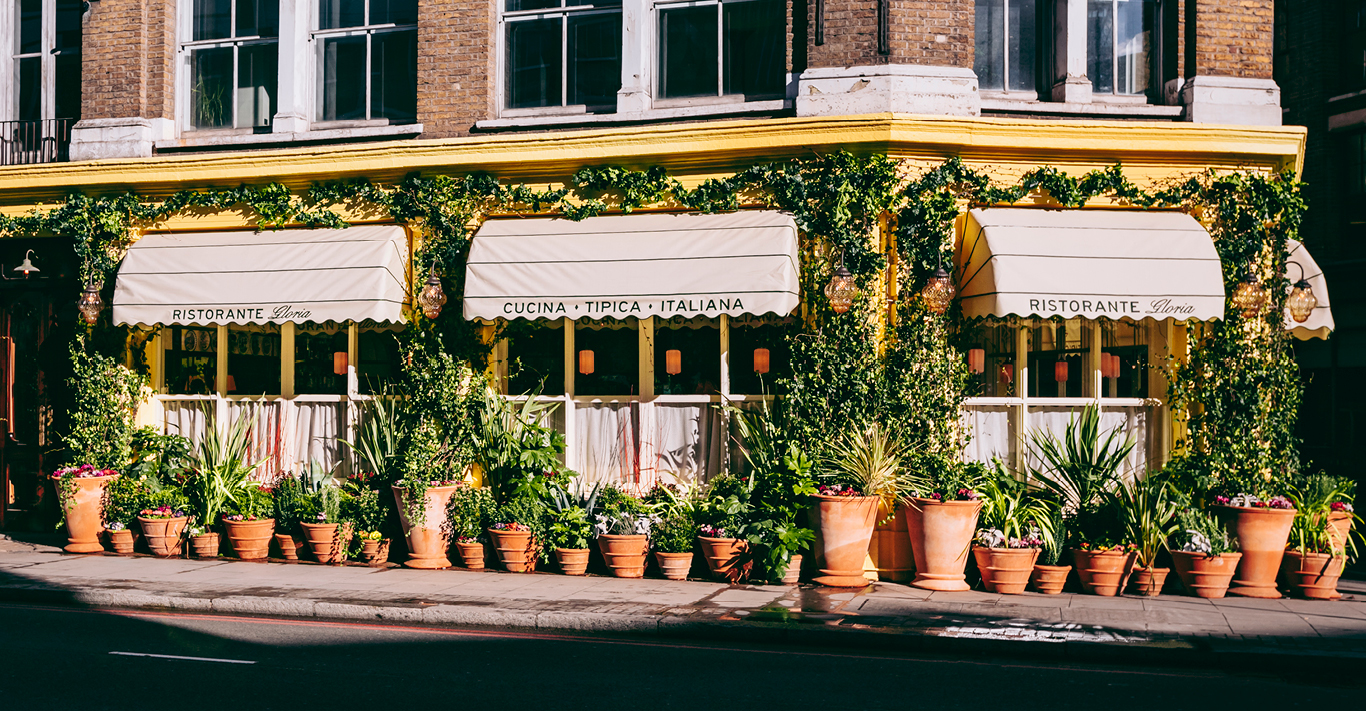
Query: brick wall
[(1231, 38), (919, 31), (455, 65), (127, 60)]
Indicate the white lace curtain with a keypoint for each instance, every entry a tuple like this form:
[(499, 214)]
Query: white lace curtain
[(285, 436)]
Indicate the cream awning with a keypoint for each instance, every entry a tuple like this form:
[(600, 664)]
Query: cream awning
[(633, 265), (1320, 323), (1090, 264), (352, 274)]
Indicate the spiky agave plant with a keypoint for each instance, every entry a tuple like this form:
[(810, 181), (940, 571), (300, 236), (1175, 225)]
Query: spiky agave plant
[(1148, 510), (1010, 507), (871, 461), (1081, 468)]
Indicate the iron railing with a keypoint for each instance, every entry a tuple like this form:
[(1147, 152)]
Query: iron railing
[(35, 141)]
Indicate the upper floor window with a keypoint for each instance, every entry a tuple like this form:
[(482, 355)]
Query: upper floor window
[(1005, 41), (721, 48), (367, 60), (234, 52), (562, 53), (1352, 62), (1122, 45), (47, 59)]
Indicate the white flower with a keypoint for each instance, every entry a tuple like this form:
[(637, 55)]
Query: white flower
[(991, 538), (1198, 543)]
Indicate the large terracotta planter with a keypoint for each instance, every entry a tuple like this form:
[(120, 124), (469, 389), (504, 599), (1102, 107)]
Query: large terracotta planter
[(164, 536), (624, 555), (674, 566), (374, 552), (84, 509), (793, 574), (205, 545), (471, 555), (722, 554), (428, 543), (1261, 535), (1005, 570), (1314, 575), (515, 550), (289, 546), (941, 536), (1205, 576), (891, 546), (250, 539), (1050, 579), (1103, 572), (572, 561), (121, 541), (845, 530), (327, 541), (1148, 581)]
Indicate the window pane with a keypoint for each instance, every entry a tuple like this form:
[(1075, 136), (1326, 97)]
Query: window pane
[(212, 19), (516, 5), (253, 360), (67, 102), (756, 54), (340, 13), (536, 359), (1127, 344), (343, 79), (69, 24), (29, 39), (211, 87), (687, 52), (1057, 358), (191, 360), (699, 359), (256, 80), (393, 76), (1022, 27), (533, 63), (1100, 45), (997, 343), (744, 342), (315, 361), (1134, 23), (379, 362), (258, 18), (29, 73), (615, 358), (396, 12), (989, 45), (595, 60)]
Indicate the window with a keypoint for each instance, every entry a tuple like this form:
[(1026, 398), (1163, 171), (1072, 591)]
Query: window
[(367, 63), (233, 63), (254, 360), (1121, 45), (1057, 358), (562, 53), (536, 360), (316, 350), (47, 43), (758, 356), (687, 357), (608, 360), (1352, 62), (1124, 344), (191, 360), (377, 358), (725, 48), (1005, 42)]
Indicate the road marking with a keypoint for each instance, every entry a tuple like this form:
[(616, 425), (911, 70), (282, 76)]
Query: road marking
[(191, 659)]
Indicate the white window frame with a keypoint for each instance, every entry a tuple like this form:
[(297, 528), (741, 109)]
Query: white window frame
[(318, 37), (563, 13), (1040, 51), (47, 54), (185, 47), (721, 97), (1153, 58)]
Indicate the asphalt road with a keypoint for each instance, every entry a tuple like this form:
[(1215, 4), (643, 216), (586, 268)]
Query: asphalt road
[(63, 658)]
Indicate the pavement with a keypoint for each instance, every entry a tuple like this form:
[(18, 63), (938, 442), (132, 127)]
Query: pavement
[(1165, 630)]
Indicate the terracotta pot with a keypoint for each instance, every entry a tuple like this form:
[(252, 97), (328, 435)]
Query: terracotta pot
[(1005, 570), (1050, 579), (1103, 572), (793, 574), (375, 552), (84, 513), (1339, 528), (288, 545), (624, 555), (572, 561), (250, 539), (1205, 576), (941, 536), (674, 566), (164, 535), (515, 550), (471, 555), (1261, 535), (428, 543), (205, 545), (891, 546), (722, 554), (1314, 575), (327, 541), (845, 526), (121, 541), (1148, 581)]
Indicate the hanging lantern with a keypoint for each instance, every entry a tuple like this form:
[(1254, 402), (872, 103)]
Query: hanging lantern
[(339, 362), (1060, 371), (841, 290), (1007, 373), (26, 267), (673, 362), (938, 292), (1301, 301), (90, 304), (232, 384), (976, 360), (1109, 365), (586, 362), (431, 298), (761, 361), (1249, 296)]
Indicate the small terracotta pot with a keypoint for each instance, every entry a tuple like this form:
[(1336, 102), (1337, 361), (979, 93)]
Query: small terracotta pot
[(793, 574), (941, 536), (572, 561), (205, 545), (1148, 581), (891, 546), (164, 536), (84, 513), (1103, 572), (327, 541), (471, 555), (845, 526), (288, 545), (121, 541), (674, 566), (428, 543), (1050, 579), (1005, 570), (624, 555), (1205, 576), (722, 554), (1339, 528), (1314, 575), (1261, 535), (515, 550), (250, 539), (375, 552)]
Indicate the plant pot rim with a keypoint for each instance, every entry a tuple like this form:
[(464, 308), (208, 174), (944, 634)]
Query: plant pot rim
[(1198, 554), (621, 535), (104, 477), (1312, 555), (1005, 550), (206, 535), (175, 518), (1256, 509), (572, 550), (252, 520), (507, 532), (1052, 567), (715, 538), (304, 523), (678, 553), (1112, 552), (823, 497), (937, 502), (404, 489)]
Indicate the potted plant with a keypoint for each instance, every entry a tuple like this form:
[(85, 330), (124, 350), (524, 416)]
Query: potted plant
[(1314, 564), (514, 533), (1262, 528), (325, 531), (81, 491), (126, 497), (1203, 554), (220, 477), (865, 472), (247, 522), (622, 526), (570, 529), (1015, 525), (780, 495), (1148, 510), (1049, 577), (363, 508), (1326, 497), (941, 511), (290, 501), (163, 522), (722, 518), (471, 512), (672, 538)]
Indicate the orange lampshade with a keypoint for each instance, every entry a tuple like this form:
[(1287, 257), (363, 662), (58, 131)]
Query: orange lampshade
[(339, 362), (586, 362), (1007, 373), (1060, 371), (673, 362), (761, 361), (232, 384), (977, 359)]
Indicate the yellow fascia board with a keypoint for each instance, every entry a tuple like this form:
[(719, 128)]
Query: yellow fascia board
[(691, 151)]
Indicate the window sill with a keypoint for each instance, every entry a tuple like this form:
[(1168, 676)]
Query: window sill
[(713, 110), (193, 140), (1099, 109)]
